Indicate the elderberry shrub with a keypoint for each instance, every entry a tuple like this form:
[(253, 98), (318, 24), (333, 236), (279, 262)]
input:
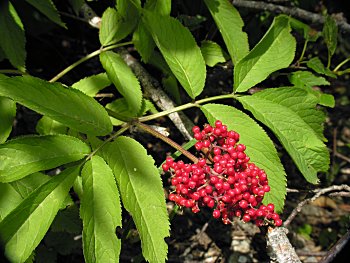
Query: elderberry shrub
[(224, 179)]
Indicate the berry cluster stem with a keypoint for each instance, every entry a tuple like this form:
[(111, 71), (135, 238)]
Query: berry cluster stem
[(167, 140)]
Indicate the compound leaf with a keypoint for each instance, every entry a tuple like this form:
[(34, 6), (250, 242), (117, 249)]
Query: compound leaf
[(142, 194), (180, 51), (230, 24), (7, 116), (23, 156), (101, 212), (124, 79), (23, 229), (260, 148), (289, 113), (274, 51), (65, 105)]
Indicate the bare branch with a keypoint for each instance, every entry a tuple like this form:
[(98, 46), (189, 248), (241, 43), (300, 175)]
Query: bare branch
[(332, 253)]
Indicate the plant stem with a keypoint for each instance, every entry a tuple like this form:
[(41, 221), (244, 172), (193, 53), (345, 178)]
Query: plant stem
[(165, 139), (87, 57), (303, 51), (12, 71), (185, 106), (341, 64), (329, 60)]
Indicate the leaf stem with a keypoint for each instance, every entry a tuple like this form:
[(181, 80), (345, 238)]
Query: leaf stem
[(303, 52), (185, 106), (341, 64), (167, 140), (87, 57)]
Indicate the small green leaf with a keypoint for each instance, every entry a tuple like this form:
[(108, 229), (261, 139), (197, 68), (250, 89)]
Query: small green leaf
[(9, 199), (27, 155), (309, 33), (230, 24), (48, 126), (120, 108), (7, 116), (142, 194), (162, 7), (109, 27), (124, 79), (143, 42), (65, 105), (181, 53), (23, 229), (260, 148), (306, 78), (327, 100), (274, 51), (289, 113), (330, 34), (317, 65), (212, 53), (93, 84), (48, 8), (12, 38), (101, 212)]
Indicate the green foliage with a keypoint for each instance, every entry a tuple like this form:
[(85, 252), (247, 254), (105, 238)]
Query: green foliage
[(230, 25), (330, 34), (142, 194), (25, 226), (93, 84), (100, 242), (317, 65), (212, 53), (7, 115), (260, 148), (274, 51)]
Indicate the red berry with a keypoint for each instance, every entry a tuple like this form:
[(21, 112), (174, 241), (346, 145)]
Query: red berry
[(246, 218), (278, 222), (216, 213)]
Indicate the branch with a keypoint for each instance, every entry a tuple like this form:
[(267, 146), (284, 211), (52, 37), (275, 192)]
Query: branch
[(293, 11), (332, 253)]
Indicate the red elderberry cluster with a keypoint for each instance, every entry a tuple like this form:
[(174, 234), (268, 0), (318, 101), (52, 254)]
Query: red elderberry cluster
[(223, 179)]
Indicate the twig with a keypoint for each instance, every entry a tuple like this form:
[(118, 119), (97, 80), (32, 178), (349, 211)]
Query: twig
[(293, 11), (281, 250), (341, 156), (318, 192), (332, 253)]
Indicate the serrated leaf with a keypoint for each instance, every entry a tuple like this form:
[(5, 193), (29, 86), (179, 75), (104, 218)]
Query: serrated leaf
[(330, 34), (93, 84), (142, 194), (274, 51), (65, 105), (162, 7), (180, 51), (212, 53), (260, 148), (317, 65), (101, 212), (48, 8), (27, 155), (285, 112), (124, 79), (12, 38), (7, 116), (230, 24), (22, 230), (143, 42), (306, 78), (48, 126)]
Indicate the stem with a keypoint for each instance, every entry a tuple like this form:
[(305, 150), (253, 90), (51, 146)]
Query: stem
[(329, 60), (87, 57), (185, 106), (303, 51), (12, 71), (341, 64), (165, 139)]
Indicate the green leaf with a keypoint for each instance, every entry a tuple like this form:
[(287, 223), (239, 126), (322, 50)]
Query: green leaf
[(65, 105), (12, 38), (9, 199), (7, 116), (317, 65), (29, 183), (120, 108), (327, 100), (260, 148), (274, 51), (230, 24), (309, 33), (143, 42), (22, 230), (27, 155), (212, 53), (162, 7), (93, 84), (289, 113), (142, 194), (48, 8), (101, 212), (48, 126), (181, 53), (123, 78), (330, 34)]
